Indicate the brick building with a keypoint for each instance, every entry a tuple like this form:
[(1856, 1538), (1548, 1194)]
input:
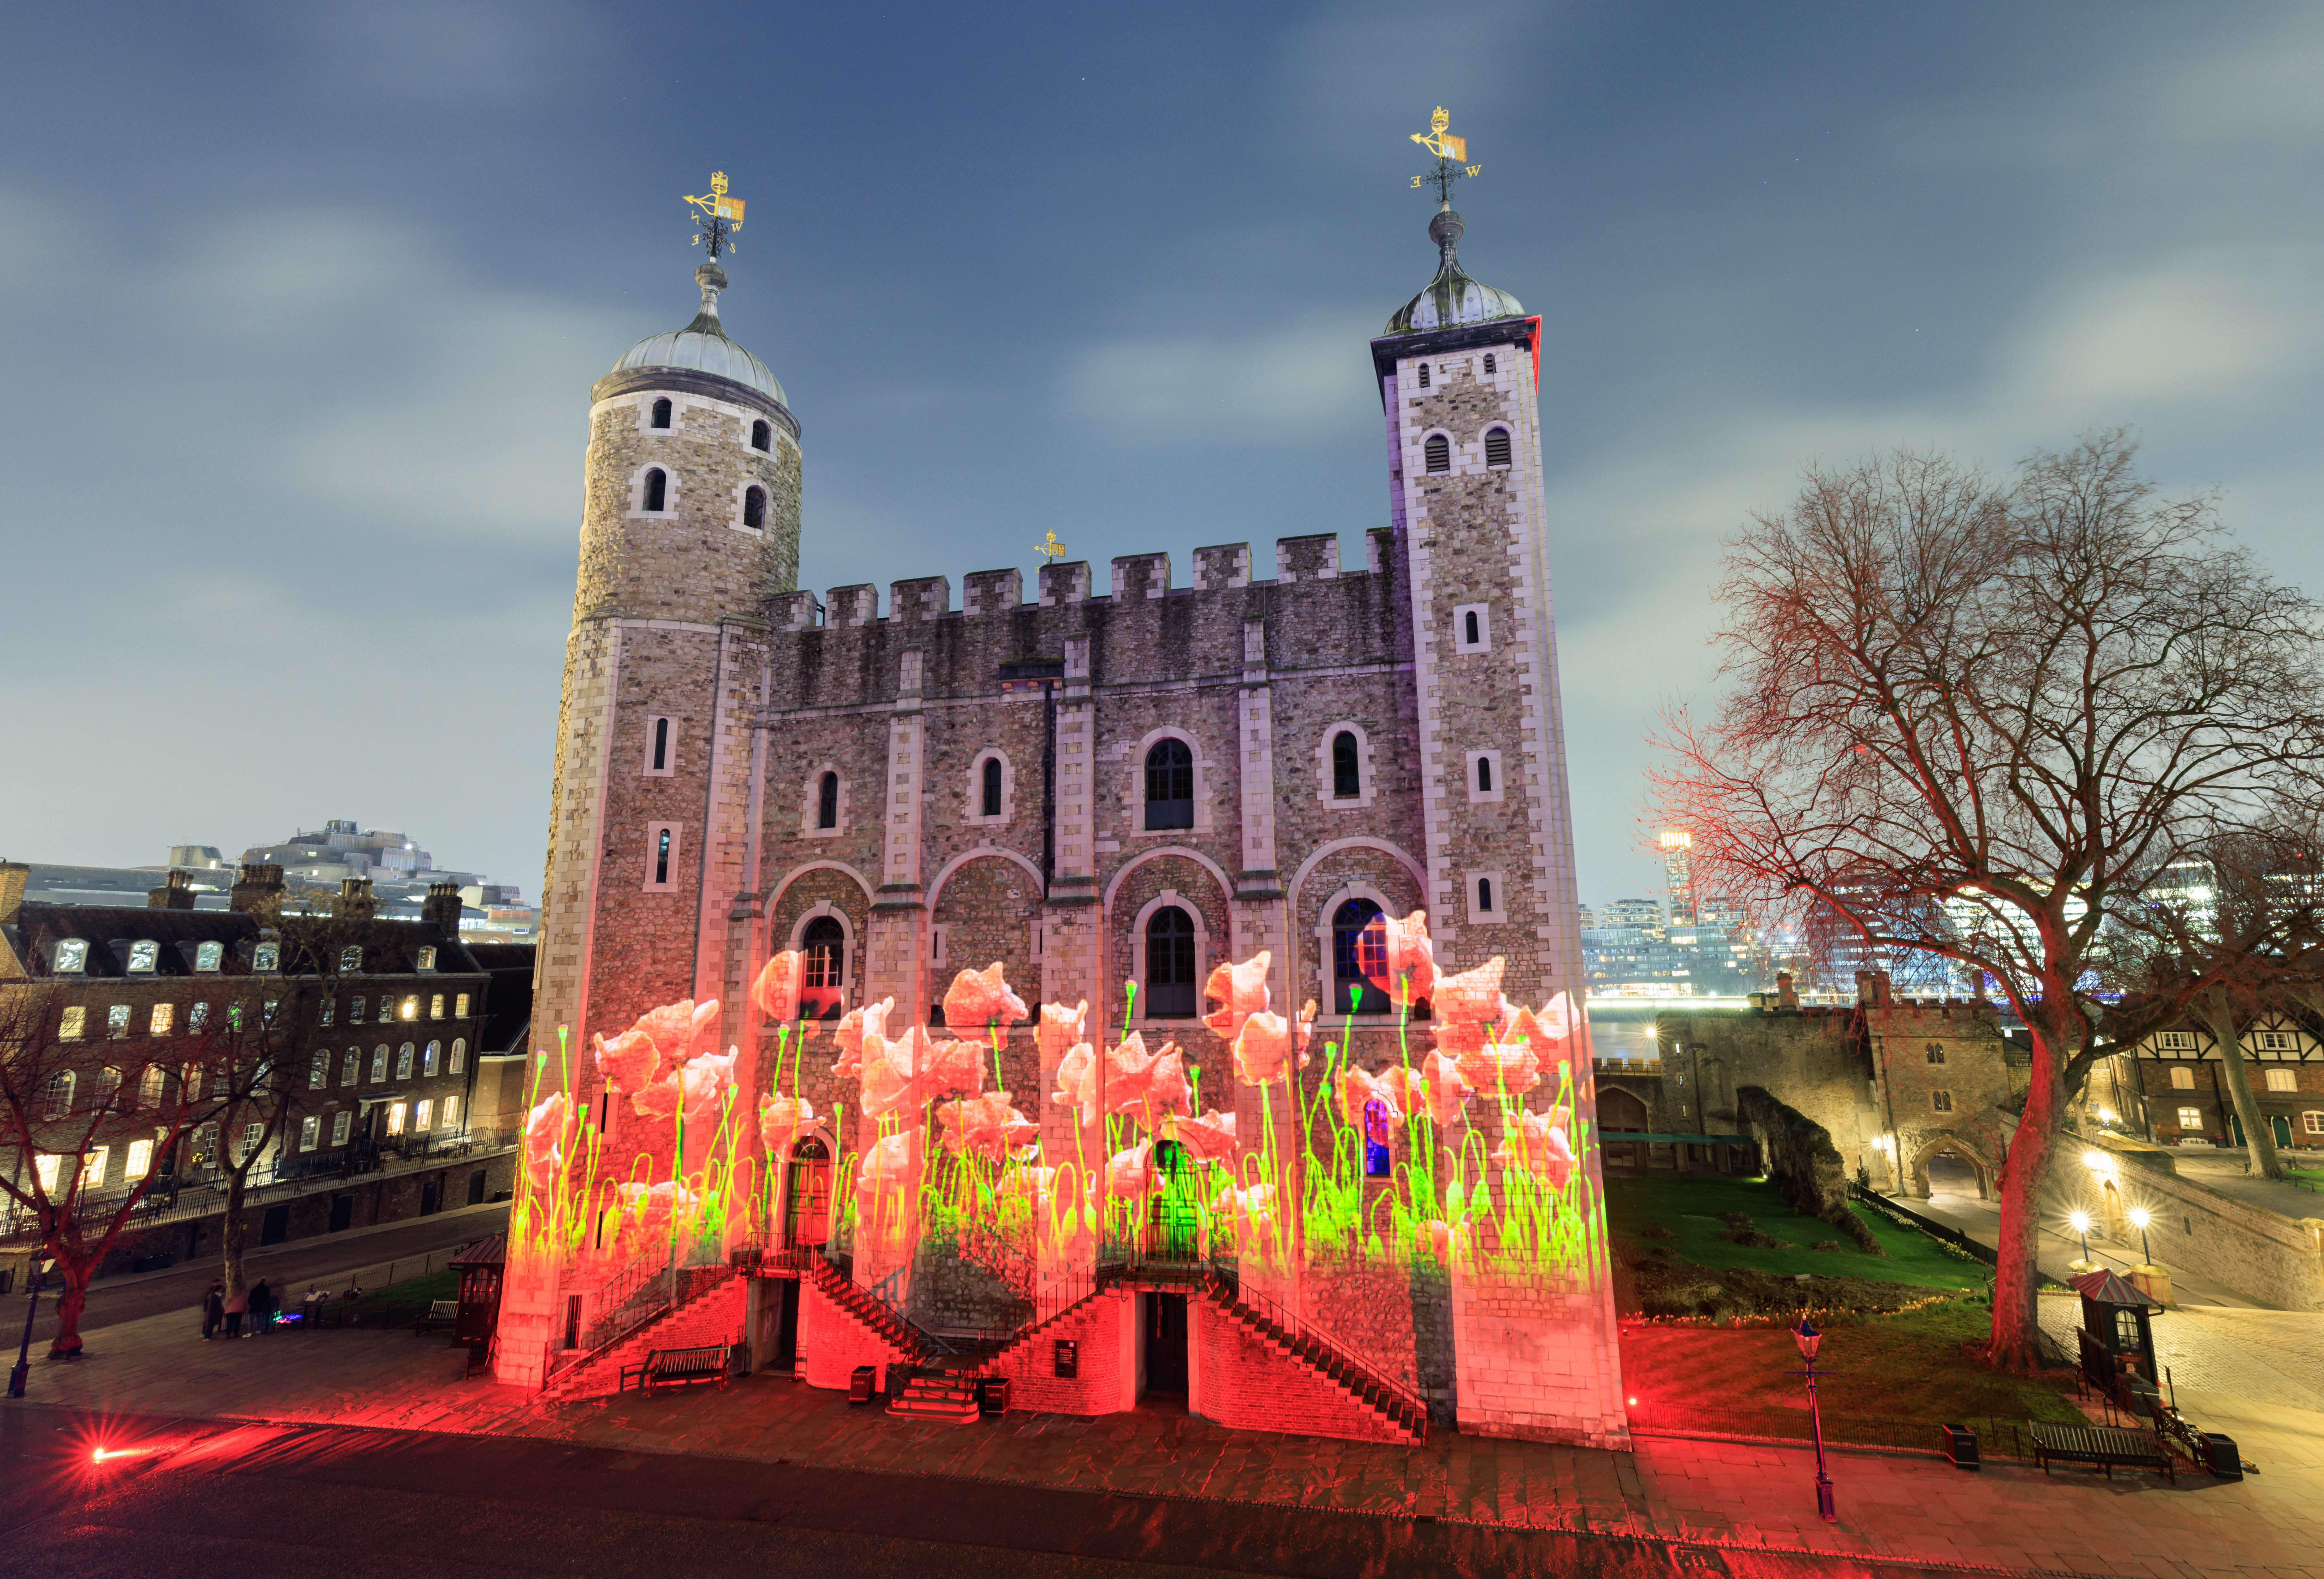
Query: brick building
[(1111, 780), (2171, 1088), (382, 1038)]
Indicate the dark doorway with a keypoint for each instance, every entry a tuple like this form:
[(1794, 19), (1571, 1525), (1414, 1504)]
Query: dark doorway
[(476, 1188), (431, 1195), (1174, 1219), (786, 1353), (1165, 1342), (806, 1198), (275, 1226), (1618, 1110), (343, 1212)]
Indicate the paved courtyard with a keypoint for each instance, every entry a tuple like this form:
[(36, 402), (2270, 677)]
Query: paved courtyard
[(1730, 1495)]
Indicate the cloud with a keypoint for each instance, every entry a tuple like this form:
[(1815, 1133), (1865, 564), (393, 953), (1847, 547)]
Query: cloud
[(1270, 383), (2183, 330), (430, 53)]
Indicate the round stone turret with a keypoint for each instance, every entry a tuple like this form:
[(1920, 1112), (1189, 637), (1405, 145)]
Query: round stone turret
[(1451, 299)]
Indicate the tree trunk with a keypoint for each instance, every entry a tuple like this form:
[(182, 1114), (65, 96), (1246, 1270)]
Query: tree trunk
[(70, 1302), (233, 1231), (2220, 1014), (2016, 1344)]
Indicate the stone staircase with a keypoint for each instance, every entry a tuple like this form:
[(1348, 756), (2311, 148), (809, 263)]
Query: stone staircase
[(1402, 1415), (873, 1315), (709, 1310), (946, 1396)]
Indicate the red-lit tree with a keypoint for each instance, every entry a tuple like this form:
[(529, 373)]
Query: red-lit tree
[(1983, 720)]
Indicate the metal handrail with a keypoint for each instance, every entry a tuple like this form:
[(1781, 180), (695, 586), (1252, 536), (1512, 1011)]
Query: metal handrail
[(1303, 1326)]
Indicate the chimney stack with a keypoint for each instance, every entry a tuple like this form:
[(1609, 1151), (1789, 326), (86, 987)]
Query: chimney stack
[(258, 890), (356, 902), (1880, 989), (442, 905), (1786, 996), (176, 893)]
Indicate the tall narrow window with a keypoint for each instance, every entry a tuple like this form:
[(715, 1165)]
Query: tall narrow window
[(1424, 375), (823, 949), (1497, 447), (761, 436), (1170, 787), (1170, 963), (1489, 362), (428, 1056), (1353, 989), (355, 1009), (342, 1123), (310, 1129), (403, 1055), (1485, 781), (1472, 629), (140, 1161), (351, 1070), (1347, 777), (661, 855), (661, 745), (826, 803), (165, 1016), (58, 1097), (1485, 894), (754, 507), (661, 414), (657, 488), (148, 1086), (379, 1063), (1438, 451), (319, 1074), (460, 1055), (991, 798)]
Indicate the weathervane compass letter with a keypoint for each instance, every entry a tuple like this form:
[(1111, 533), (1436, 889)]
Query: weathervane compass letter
[(1451, 154), (717, 216)]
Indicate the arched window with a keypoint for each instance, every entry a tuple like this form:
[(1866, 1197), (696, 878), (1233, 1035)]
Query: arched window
[(1497, 447), (657, 488), (990, 800), (826, 803), (1473, 630), (351, 1069), (430, 1056), (1347, 777), (1376, 1133), (807, 1194), (1439, 451), (1170, 963), (754, 506), (1485, 781), (1353, 948), (761, 436), (823, 957), (60, 1095), (1485, 895), (661, 413), (148, 1086), (320, 1076), (403, 1055), (1170, 787), (460, 1055)]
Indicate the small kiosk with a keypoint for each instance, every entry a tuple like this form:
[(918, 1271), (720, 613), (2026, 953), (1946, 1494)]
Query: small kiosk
[(2115, 1335), (480, 1266)]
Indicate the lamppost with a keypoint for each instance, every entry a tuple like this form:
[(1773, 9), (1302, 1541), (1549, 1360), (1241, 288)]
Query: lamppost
[(2139, 1218), (2081, 1222), (1810, 1340), (24, 1370)]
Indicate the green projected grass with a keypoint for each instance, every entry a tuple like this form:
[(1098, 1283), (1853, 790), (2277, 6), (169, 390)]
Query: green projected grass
[(1689, 1208)]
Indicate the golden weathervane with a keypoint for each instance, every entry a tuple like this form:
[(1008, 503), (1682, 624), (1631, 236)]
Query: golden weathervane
[(717, 216), (1052, 549), (1450, 155)]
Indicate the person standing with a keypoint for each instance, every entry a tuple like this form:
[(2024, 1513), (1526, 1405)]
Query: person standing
[(213, 1310), (261, 1307), (237, 1306)]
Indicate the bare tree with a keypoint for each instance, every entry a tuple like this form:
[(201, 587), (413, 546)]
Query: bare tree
[(68, 1103), (1974, 720)]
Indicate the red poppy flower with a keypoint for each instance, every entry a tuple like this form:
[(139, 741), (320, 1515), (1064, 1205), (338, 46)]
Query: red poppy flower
[(1131, 1174), (1358, 1088), (1060, 1028), (853, 1027), (1538, 1145), (1471, 998), (977, 998), (1240, 991), (1077, 1081), (1558, 1019), (629, 1062), (1154, 1084), (544, 1140), (1395, 957), (986, 1125), (1207, 1139), (1262, 1049), (780, 1119), (1440, 1238), (953, 1066), (776, 990), (1509, 1069)]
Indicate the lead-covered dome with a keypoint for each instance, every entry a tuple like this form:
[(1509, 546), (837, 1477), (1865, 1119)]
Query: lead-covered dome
[(1451, 299), (702, 346)]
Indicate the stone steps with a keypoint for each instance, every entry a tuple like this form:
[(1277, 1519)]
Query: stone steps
[(945, 1397)]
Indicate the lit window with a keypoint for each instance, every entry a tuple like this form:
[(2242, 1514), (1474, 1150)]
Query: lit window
[(197, 1017), (1942, 1101), (74, 1025), (143, 956), (1359, 953), (404, 1061), (423, 1113), (2270, 1042), (451, 1120), (310, 1129), (379, 1063), (427, 1059), (351, 958), (139, 1160), (319, 1074), (395, 1119), (117, 1022), (412, 1008), (436, 1006), (2282, 1080), (2183, 1079), (2175, 1042), (427, 957), (386, 1008), (2313, 1122), (266, 956), (189, 1083), (1497, 447), (328, 1012), (460, 1007), (2190, 1118), (251, 1134), (208, 956), (165, 1017), (823, 949), (58, 1096), (148, 1086), (72, 954), (341, 1122), (92, 1167), (1438, 453), (459, 1054), (1170, 785), (355, 1009), (108, 1087), (351, 1066), (45, 1166)]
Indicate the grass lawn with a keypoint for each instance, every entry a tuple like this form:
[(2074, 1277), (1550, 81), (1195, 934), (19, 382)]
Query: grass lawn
[(1894, 1380), (1689, 1207), (397, 1305)]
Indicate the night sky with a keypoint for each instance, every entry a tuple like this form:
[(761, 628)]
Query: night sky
[(302, 304)]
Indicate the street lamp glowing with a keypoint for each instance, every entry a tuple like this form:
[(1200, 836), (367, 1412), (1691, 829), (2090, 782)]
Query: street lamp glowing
[(1807, 1338), (2094, 1161), (2080, 1220), (2081, 1224), (2140, 1218)]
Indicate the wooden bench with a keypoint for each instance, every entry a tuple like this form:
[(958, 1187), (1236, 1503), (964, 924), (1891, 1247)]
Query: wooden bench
[(443, 1315), (2104, 1445), (677, 1367)]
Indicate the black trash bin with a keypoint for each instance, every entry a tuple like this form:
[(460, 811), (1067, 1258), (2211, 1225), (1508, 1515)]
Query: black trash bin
[(992, 1396), (859, 1383), (2227, 1458), (1961, 1445)]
